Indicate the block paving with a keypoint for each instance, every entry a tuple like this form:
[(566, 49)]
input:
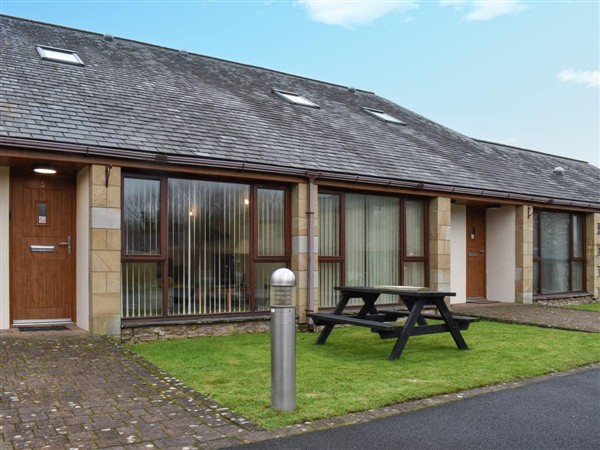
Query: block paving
[(70, 389)]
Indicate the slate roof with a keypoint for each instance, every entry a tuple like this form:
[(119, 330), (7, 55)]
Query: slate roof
[(143, 98)]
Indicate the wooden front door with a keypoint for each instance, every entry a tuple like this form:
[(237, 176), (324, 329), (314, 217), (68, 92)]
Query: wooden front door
[(42, 253), (475, 252)]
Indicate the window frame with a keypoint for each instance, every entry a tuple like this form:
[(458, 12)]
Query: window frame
[(41, 49), (255, 258), (425, 257), (403, 257), (383, 116), (538, 259), (162, 257), (288, 96)]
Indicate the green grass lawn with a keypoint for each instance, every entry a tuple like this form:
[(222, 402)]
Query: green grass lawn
[(351, 371), (586, 307)]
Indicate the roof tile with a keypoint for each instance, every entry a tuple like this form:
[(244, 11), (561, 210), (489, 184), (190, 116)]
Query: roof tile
[(138, 96)]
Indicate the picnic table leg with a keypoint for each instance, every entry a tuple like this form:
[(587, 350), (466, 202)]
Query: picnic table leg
[(409, 304), (325, 332), (329, 327), (413, 317), (452, 325), (369, 306)]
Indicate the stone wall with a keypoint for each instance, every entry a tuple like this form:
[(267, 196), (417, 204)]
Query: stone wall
[(141, 333), (105, 251), (523, 254), (564, 301), (439, 244), (593, 254), (300, 247)]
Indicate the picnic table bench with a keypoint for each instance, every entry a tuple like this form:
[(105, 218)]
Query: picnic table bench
[(384, 321)]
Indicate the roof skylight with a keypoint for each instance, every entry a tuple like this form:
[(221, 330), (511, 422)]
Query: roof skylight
[(383, 116), (295, 99), (60, 55)]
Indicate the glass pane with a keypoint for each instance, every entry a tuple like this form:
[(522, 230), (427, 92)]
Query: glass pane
[(555, 252), (415, 228), (372, 243), (142, 290), (356, 246), (208, 247), (271, 222), (141, 213), (578, 237), (414, 274), (262, 279), (536, 277), (577, 276), (329, 277), (329, 225), (536, 235)]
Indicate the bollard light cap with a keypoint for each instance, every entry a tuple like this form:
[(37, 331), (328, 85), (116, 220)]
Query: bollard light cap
[(283, 277)]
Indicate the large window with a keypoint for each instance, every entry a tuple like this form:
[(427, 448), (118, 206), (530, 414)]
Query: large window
[(558, 252), (368, 240), (195, 247)]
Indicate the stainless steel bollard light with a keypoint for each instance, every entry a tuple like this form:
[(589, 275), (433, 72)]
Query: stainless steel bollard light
[(283, 340)]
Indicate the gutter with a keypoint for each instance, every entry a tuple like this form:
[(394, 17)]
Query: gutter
[(198, 161)]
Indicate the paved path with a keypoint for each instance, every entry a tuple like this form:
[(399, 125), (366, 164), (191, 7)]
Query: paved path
[(545, 316), (74, 390), (559, 413)]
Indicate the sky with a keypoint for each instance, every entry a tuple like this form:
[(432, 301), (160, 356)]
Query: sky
[(523, 73)]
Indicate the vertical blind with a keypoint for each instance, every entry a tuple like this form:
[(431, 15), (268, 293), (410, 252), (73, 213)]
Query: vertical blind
[(207, 265), (329, 245), (208, 254), (372, 250), (329, 225), (558, 252), (271, 222), (372, 245), (578, 239), (555, 252), (414, 272), (142, 290), (142, 282)]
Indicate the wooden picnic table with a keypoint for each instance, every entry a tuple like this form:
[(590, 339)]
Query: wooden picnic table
[(383, 321)]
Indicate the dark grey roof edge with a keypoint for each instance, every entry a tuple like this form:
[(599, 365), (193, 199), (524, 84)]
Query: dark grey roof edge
[(252, 66), (173, 158), (500, 144)]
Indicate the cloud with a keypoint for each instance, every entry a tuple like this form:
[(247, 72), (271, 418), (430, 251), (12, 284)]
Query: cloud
[(485, 9), (353, 12), (589, 78)]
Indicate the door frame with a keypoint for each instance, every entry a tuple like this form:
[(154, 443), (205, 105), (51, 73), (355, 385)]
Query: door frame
[(72, 181), (481, 210)]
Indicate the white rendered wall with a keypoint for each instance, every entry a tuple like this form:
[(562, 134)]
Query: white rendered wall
[(458, 253), (4, 271), (83, 249), (500, 254)]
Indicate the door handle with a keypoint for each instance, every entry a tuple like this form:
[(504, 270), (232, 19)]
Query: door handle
[(68, 244)]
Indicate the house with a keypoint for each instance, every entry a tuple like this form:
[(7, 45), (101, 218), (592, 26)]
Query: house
[(151, 191)]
